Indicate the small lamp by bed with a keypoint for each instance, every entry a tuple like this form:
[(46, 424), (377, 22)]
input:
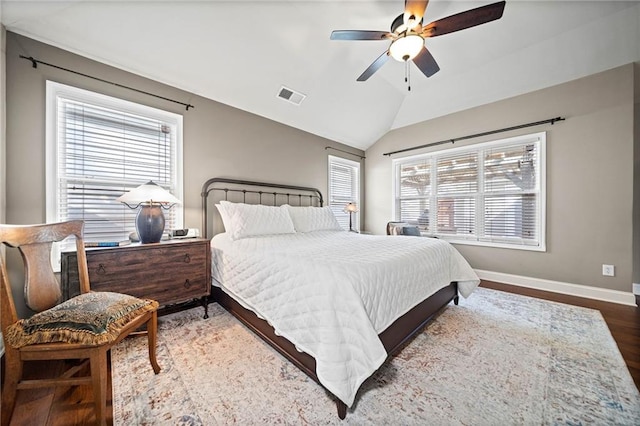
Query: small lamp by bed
[(152, 198), (351, 208)]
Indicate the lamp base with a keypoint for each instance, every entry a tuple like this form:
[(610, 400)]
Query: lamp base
[(150, 224)]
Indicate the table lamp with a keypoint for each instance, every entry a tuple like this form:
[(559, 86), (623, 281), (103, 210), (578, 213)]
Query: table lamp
[(351, 208), (152, 198)]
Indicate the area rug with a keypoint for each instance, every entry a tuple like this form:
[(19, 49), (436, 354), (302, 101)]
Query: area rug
[(496, 359)]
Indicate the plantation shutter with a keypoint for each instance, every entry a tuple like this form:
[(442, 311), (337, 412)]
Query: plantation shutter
[(344, 188), (103, 153)]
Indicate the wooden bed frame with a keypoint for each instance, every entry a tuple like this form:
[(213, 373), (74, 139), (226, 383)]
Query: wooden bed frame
[(393, 338)]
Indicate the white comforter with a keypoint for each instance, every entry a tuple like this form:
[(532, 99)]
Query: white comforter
[(332, 292)]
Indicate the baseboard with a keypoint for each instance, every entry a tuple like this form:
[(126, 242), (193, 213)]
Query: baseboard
[(613, 296)]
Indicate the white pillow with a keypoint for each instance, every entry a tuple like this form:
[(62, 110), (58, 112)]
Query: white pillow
[(247, 220), (308, 219), (224, 215)]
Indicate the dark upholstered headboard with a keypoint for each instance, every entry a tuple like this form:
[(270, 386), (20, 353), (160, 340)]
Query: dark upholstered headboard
[(250, 192)]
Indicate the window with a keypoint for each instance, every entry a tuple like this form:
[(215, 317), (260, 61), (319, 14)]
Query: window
[(344, 188), (490, 194), (98, 148)]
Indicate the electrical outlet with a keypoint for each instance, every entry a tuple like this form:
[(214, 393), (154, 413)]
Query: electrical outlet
[(608, 270)]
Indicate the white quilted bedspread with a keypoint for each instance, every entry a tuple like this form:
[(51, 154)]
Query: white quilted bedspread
[(332, 292)]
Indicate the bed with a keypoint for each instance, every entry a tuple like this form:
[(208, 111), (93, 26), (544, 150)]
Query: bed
[(335, 303)]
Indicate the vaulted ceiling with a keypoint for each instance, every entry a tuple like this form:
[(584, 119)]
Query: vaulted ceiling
[(241, 53)]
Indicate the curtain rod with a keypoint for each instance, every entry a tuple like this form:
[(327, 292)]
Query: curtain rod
[(346, 152), (35, 62), (491, 132)]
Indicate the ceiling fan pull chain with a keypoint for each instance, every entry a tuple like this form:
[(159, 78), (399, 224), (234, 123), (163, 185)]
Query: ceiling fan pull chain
[(406, 78)]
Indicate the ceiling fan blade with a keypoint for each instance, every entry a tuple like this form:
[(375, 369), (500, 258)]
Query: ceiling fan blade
[(414, 8), (468, 19), (375, 66), (360, 35), (426, 63)]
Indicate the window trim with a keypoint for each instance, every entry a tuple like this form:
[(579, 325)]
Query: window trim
[(540, 138), (55, 90), (349, 163)]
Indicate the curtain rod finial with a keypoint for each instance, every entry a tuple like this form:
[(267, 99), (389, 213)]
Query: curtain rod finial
[(34, 63)]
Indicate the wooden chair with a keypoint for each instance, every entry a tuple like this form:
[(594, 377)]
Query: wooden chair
[(41, 338)]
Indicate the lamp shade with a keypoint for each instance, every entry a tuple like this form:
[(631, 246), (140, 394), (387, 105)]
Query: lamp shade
[(148, 193), (150, 219), (351, 208)]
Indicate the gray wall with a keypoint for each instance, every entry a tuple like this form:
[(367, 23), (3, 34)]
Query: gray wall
[(218, 140), (590, 176)]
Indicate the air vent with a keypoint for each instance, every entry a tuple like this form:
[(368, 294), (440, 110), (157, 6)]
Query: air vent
[(290, 95)]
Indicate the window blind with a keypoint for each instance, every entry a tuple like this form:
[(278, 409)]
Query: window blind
[(457, 185), (491, 193), (103, 152), (415, 193), (344, 188), (510, 191)]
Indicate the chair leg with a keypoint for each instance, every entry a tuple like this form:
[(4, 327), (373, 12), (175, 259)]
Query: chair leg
[(98, 362), (152, 335), (13, 374)]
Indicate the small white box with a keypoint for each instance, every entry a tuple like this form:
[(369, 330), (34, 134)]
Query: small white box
[(184, 233)]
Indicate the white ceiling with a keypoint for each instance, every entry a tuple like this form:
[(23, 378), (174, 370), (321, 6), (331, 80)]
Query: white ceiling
[(241, 52)]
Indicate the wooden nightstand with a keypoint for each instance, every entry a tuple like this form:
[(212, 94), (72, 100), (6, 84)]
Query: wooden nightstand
[(171, 272)]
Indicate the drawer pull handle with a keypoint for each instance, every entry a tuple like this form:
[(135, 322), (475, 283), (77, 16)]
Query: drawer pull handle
[(187, 284), (187, 258), (101, 270)]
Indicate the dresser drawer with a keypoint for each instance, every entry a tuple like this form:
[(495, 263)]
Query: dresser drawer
[(169, 272)]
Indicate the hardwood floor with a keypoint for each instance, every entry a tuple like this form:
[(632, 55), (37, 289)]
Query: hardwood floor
[(74, 406), (61, 406)]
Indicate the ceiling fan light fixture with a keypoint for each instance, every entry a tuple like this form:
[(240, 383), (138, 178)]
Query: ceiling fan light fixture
[(406, 47)]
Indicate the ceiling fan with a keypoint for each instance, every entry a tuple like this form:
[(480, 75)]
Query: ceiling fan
[(407, 34)]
